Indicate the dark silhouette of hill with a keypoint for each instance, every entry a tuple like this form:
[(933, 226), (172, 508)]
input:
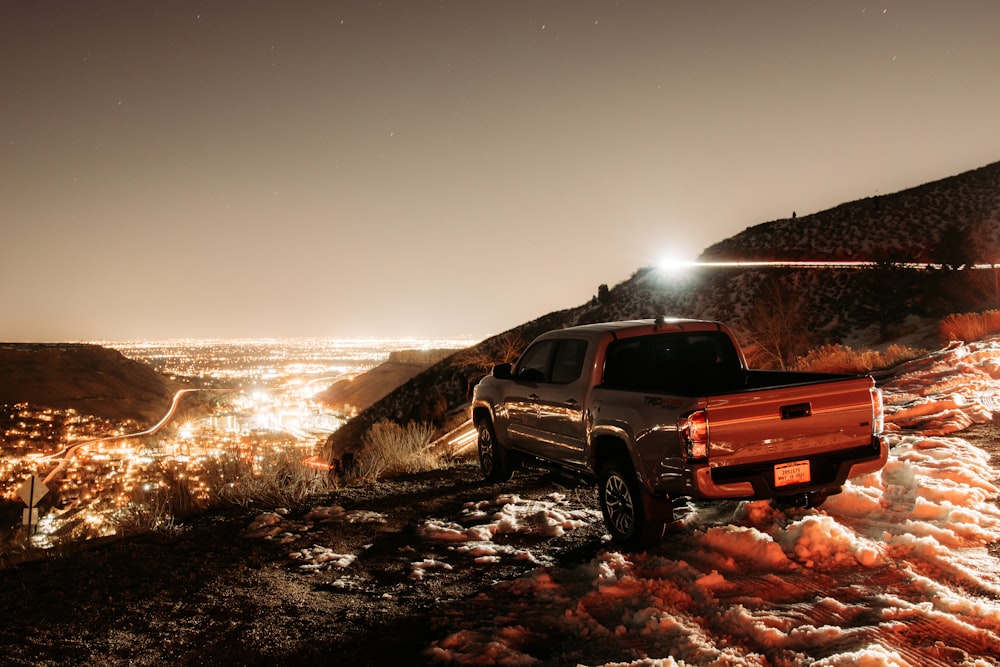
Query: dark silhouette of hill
[(88, 378), (954, 222)]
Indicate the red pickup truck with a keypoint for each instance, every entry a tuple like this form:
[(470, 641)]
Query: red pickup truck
[(662, 411)]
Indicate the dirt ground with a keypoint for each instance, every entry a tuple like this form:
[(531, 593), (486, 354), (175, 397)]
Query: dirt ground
[(227, 589), (224, 592)]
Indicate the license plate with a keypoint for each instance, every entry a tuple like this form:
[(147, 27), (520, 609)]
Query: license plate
[(796, 472)]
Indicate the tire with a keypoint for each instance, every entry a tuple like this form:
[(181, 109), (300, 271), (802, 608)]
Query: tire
[(622, 507), (494, 461)]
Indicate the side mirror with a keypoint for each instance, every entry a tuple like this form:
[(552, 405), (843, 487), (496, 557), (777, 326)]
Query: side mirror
[(502, 371)]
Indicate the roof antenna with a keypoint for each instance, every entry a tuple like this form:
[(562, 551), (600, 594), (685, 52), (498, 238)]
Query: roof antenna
[(659, 319)]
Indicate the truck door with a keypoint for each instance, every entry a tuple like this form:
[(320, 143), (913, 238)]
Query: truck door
[(560, 401), (521, 399), (545, 403)]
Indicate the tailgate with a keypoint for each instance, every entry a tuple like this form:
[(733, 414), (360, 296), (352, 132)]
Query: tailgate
[(789, 422)]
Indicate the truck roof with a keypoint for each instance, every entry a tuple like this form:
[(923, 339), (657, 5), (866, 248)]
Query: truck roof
[(652, 325)]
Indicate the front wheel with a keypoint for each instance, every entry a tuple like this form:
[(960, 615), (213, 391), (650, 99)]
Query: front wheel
[(621, 505), (494, 461)]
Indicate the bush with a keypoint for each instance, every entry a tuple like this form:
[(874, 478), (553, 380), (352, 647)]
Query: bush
[(969, 326), (269, 476), (264, 475), (843, 359), (142, 517), (388, 447)]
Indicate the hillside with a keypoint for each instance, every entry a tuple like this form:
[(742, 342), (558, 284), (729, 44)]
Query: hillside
[(361, 391), (89, 378), (953, 221)]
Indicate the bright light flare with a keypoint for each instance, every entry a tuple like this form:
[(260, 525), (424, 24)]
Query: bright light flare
[(675, 265)]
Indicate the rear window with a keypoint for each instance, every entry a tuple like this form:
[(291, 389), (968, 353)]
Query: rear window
[(671, 362)]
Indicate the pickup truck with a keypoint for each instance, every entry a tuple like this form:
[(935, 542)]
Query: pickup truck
[(662, 412)]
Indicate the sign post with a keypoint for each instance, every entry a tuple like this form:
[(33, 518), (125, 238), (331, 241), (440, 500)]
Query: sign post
[(31, 491)]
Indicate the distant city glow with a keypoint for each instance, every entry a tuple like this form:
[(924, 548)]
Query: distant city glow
[(105, 473)]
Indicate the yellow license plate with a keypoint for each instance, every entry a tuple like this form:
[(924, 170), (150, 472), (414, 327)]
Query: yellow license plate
[(796, 472)]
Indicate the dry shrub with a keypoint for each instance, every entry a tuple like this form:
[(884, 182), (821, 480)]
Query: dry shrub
[(836, 358), (969, 326), (185, 496), (152, 514), (266, 476), (274, 477), (389, 447)]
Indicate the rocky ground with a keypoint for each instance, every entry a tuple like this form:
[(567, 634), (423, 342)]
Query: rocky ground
[(370, 575), (351, 577)]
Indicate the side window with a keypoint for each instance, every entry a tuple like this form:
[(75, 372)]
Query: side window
[(569, 360), (627, 364), (533, 366)]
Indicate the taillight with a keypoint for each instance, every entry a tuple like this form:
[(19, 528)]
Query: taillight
[(878, 411), (694, 432)]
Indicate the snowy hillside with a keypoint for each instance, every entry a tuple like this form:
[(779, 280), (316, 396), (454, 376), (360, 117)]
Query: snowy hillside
[(899, 569)]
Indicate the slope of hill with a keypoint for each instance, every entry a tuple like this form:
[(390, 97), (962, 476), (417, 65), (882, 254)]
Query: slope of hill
[(361, 391), (88, 378), (954, 221)]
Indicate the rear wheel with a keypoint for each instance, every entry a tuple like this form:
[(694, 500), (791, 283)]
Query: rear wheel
[(494, 461), (621, 505)]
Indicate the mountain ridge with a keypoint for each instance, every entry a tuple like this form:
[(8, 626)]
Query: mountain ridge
[(954, 221), (967, 203), (86, 377)]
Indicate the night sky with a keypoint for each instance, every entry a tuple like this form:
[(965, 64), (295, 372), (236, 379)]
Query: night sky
[(413, 169)]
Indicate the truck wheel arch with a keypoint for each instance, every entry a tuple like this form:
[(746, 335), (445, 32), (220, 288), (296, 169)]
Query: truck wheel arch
[(605, 447), (481, 414)]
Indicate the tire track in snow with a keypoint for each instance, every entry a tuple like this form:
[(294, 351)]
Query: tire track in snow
[(990, 399), (900, 622)]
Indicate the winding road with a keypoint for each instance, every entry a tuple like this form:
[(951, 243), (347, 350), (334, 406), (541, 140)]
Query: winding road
[(66, 454)]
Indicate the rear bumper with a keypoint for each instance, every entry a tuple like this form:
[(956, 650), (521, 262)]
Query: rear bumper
[(828, 472)]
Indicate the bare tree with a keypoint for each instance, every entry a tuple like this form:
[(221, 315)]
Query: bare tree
[(497, 350), (775, 327), (984, 249), (984, 287)]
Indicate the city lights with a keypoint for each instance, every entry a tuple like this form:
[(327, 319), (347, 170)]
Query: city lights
[(105, 474)]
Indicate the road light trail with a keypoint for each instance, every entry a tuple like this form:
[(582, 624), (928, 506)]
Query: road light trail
[(818, 264), (65, 454)]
